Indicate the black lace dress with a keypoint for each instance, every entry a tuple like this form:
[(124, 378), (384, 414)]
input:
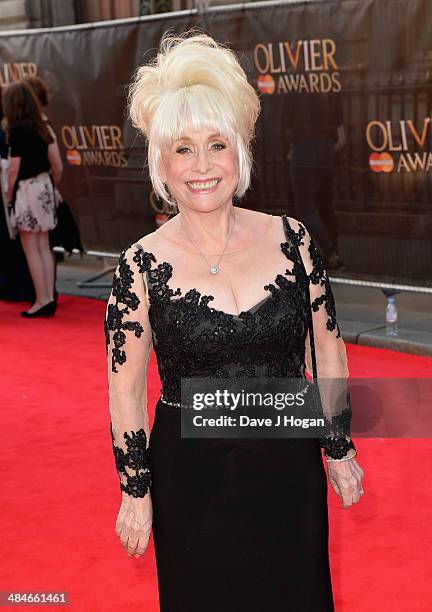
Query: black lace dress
[(239, 524)]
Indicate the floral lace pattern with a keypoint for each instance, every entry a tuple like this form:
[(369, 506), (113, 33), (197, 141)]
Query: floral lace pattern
[(134, 460), (191, 338), (126, 300), (318, 276), (337, 443), (336, 448)]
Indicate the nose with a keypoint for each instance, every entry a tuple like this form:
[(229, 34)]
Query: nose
[(203, 161)]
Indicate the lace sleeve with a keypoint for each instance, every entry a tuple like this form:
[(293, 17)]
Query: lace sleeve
[(128, 346), (327, 349)]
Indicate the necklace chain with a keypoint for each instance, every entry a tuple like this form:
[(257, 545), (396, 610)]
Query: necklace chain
[(214, 268)]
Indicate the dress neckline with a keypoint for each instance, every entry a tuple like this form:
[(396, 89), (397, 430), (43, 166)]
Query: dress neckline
[(202, 300)]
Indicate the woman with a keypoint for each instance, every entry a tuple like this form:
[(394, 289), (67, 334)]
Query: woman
[(34, 153), (238, 525), (41, 91)]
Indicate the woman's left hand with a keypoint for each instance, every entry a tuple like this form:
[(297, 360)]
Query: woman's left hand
[(346, 479)]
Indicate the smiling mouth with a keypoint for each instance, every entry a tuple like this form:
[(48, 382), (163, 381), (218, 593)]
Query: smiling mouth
[(203, 185)]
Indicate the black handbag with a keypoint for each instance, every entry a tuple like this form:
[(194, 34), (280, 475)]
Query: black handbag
[(66, 233), (313, 391)]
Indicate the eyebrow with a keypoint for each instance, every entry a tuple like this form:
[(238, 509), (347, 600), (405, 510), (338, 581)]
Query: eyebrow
[(187, 139)]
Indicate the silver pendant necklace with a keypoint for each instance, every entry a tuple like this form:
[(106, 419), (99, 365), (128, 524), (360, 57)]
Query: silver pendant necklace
[(214, 268)]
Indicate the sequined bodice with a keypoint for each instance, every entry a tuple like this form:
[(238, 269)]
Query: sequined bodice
[(191, 338)]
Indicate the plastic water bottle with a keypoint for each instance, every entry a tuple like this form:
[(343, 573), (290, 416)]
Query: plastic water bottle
[(391, 317)]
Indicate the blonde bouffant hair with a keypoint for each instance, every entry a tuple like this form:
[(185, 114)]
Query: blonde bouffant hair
[(193, 82)]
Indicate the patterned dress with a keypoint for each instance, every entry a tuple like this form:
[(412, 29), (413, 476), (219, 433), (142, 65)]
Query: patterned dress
[(34, 207), (239, 524)]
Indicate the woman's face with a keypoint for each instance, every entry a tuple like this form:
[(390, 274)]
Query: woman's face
[(200, 169)]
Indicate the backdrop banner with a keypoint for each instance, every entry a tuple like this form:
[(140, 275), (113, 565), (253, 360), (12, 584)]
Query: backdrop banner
[(343, 141)]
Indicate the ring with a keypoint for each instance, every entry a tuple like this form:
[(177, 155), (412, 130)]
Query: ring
[(361, 492)]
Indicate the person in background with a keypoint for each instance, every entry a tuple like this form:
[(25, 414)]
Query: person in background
[(5, 231), (315, 135), (41, 91), (15, 280), (33, 153), (3, 153)]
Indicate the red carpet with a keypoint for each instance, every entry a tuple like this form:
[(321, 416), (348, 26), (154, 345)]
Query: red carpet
[(60, 494)]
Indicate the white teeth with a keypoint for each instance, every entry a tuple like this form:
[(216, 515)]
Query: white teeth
[(202, 185)]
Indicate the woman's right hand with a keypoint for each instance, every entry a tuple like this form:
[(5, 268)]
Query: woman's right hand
[(134, 523)]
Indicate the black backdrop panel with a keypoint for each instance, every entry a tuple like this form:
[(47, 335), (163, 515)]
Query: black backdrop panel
[(343, 141)]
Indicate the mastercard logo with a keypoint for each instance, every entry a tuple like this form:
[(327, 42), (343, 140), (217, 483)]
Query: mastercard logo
[(381, 162), (266, 84), (74, 157)]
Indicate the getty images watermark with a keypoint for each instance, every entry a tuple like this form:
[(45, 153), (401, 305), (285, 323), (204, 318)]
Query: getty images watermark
[(259, 407), (297, 408), (234, 401)]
